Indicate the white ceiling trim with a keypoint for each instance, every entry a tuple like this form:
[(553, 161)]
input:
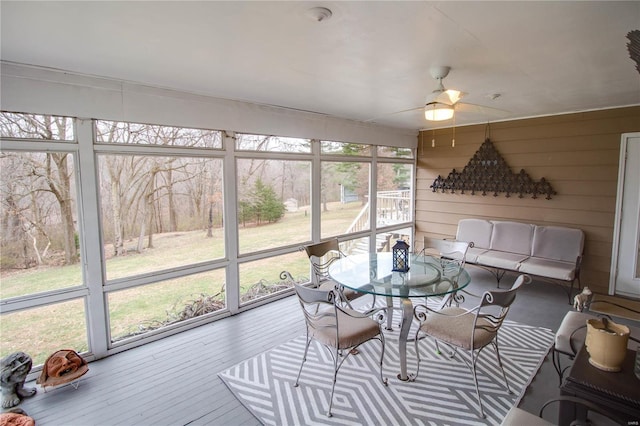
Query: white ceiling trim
[(41, 90)]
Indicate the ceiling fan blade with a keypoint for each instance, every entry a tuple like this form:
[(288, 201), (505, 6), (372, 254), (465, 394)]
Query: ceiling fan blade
[(406, 110), (449, 96), (393, 113), (454, 95), (480, 109)]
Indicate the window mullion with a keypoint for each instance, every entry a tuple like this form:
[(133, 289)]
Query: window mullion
[(89, 207), (316, 190), (230, 220), (373, 201)]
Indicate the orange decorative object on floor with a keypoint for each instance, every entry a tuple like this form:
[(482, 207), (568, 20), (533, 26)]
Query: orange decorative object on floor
[(62, 366), (17, 417)]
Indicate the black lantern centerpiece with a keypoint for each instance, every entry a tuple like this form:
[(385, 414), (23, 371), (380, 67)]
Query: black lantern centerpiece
[(400, 256)]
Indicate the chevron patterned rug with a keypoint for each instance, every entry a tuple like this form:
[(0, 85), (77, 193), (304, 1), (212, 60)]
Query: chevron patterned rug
[(443, 394)]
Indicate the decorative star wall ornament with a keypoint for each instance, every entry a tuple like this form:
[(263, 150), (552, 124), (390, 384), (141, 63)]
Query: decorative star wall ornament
[(487, 172), (634, 47)]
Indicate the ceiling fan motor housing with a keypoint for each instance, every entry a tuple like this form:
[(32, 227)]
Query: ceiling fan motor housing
[(440, 72)]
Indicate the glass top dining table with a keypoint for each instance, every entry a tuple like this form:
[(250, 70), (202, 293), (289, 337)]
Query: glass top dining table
[(427, 276)]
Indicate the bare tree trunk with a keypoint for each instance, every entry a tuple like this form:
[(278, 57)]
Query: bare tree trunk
[(11, 220), (25, 251), (210, 227), (150, 217), (118, 243), (62, 192), (150, 206), (173, 216), (143, 219), (71, 251), (36, 249)]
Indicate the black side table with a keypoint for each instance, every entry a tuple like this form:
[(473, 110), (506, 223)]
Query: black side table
[(617, 392)]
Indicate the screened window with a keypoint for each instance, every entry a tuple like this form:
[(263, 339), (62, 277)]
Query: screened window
[(40, 259), (344, 148), (154, 242), (147, 134), (394, 152), (264, 278), (394, 181), (344, 198), (355, 246), (273, 203), (40, 331), (35, 126), (151, 307), (39, 223), (248, 142), (386, 240), (160, 212)]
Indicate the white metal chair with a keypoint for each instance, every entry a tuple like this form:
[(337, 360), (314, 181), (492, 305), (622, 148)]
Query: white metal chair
[(449, 250), (322, 255), (452, 255), (471, 330), (337, 328)]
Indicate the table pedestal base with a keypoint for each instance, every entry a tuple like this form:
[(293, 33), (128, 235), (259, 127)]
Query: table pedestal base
[(407, 319)]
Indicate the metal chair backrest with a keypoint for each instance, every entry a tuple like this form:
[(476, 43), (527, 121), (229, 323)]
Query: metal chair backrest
[(450, 253), (319, 308), (321, 256), (494, 306), (447, 249)]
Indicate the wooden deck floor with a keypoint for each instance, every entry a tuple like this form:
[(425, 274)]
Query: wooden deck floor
[(174, 381)]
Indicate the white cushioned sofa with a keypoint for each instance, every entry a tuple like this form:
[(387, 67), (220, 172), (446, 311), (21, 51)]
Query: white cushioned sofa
[(552, 252)]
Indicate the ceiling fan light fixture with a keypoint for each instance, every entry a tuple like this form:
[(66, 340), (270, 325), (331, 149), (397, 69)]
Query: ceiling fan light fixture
[(435, 111)]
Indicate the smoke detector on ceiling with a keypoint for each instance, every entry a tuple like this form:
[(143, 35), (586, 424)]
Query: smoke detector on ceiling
[(319, 14)]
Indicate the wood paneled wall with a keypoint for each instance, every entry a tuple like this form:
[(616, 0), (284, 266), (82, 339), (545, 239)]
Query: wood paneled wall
[(577, 153)]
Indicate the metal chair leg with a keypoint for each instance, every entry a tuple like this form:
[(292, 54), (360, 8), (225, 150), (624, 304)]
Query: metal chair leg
[(383, 343), (336, 367), (555, 359), (474, 358), (504, 375), (416, 341), (304, 358)]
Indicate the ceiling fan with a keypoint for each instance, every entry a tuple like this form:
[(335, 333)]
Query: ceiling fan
[(443, 104)]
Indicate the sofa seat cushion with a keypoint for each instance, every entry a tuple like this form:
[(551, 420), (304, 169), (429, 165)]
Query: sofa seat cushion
[(473, 253), (548, 268), (501, 259)]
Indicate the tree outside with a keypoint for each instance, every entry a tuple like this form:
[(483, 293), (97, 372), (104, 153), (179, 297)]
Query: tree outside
[(158, 211)]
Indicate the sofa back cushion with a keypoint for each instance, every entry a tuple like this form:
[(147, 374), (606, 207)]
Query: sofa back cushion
[(512, 237), (558, 243), (476, 231)]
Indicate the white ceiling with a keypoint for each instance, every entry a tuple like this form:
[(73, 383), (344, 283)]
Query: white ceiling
[(370, 60)]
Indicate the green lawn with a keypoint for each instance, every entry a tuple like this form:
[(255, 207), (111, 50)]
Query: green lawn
[(41, 331)]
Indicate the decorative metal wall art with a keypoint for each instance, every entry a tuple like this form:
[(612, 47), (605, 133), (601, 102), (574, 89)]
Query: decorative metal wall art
[(487, 172), (634, 47)]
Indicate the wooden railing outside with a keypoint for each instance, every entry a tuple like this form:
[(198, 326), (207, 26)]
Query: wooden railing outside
[(393, 207)]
